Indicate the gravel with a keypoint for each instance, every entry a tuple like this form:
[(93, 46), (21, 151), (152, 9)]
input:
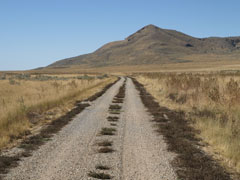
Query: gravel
[(69, 154), (145, 154), (139, 153)]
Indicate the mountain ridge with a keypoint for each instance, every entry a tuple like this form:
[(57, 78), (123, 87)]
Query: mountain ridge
[(152, 45)]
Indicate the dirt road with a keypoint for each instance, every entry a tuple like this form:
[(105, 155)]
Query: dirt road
[(78, 150)]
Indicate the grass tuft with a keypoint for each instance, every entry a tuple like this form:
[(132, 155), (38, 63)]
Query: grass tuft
[(115, 107), (108, 131), (113, 124), (102, 167), (99, 175), (105, 143), (115, 111), (112, 118), (105, 150)]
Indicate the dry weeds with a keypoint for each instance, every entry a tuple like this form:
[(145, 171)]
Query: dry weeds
[(211, 100), (99, 175), (105, 150), (24, 100), (108, 131), (105, 143), (102, 167), (190, 161)]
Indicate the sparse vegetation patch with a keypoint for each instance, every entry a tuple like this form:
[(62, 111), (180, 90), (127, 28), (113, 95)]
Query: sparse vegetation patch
[(105, 143), (33, 142), (113, 118), (113, 124), (102, 167), (108, 131), (21, 107), (191, 162), (99, 175), (105, 150), (115, 111), (115, 107), (210, 101)]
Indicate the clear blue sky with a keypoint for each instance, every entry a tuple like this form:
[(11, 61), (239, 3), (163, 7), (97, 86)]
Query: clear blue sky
[(36, 33)]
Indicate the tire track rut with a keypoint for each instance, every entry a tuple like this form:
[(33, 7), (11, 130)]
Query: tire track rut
[(145, 154)]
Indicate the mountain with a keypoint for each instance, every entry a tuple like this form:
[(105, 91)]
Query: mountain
[(152, 45)]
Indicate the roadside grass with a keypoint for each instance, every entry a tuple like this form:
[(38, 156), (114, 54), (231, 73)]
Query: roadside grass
[(210, 100), (24, 102), (33, 143), (8, 162), (36, 140), (190, 161)]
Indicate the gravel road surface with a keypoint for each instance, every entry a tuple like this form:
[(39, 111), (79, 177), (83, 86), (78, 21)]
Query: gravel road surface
[(145, 154), (139, 153)]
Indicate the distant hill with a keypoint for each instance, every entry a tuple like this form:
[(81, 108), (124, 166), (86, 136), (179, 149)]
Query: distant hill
[(152, 45)]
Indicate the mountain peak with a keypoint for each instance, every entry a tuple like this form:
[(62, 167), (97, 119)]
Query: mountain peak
[(150, 26), (146, 30), (152, 45)]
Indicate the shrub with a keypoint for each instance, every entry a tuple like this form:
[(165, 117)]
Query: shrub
[(3, 77)]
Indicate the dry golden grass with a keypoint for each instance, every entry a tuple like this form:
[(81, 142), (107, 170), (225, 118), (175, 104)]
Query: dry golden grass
[(22, 99), (211, 100), (214, 64), (196, 63)]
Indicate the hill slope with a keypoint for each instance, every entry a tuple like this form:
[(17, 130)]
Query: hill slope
[(152, 45)]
